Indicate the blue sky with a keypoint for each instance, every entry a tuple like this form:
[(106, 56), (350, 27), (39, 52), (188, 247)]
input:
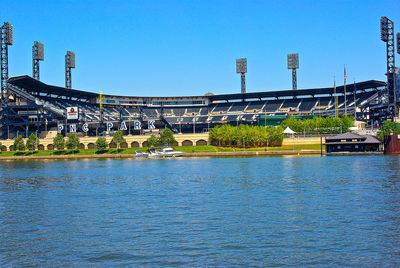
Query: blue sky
[(170, 48)]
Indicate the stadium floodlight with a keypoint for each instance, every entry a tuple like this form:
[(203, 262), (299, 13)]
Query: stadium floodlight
[(37, 55), (38, 51), (69, 64), (387, 36), (241, 68), (293, 61), (6, 32), (398, 43), (293, 64), (71, 56), (9, 33), (241, 65), (384, 28)]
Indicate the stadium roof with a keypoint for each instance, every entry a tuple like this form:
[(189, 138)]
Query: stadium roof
[(300, 92), (32, 85)]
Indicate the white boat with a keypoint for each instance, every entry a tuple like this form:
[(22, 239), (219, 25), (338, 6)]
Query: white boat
[(170, 152), (140, 154), (164, 153)]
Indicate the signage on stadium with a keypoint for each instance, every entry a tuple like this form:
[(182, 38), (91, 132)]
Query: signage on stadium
[(72, 113), (137, 125)]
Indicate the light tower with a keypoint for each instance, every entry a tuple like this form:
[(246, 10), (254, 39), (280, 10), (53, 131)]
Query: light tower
[(6, 40), (69, 64), (387, 36), (37, 55), (398, 43), (241, 68), (293, 63)]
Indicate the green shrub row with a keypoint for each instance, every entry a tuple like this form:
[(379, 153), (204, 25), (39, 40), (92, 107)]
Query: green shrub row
[(319, 125), (245, 135)]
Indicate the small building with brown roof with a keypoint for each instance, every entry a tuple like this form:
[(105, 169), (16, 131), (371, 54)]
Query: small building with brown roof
[(351, 142)]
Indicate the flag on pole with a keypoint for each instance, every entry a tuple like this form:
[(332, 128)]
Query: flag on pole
[(345, 75)]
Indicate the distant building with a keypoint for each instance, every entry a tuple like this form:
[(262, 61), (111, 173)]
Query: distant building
[(351, 142)]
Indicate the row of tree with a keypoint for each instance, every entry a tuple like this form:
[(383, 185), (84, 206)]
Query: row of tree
[(71, 143), (101, 142), (245, 135), (32, 143), (319, 125)]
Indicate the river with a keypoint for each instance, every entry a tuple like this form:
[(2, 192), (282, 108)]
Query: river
[(261, 211)]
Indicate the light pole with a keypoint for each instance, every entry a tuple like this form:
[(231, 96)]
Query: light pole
[(241, 68), (194, 125), (293, 64), (265, 120), (387, 36)]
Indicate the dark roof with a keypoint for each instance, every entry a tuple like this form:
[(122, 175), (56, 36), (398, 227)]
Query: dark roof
[(371, 139), (349, 137), (346, 136), (32, 85), (300, 92)]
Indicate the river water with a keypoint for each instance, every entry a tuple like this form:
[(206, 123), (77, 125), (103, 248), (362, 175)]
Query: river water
[(266, 211)]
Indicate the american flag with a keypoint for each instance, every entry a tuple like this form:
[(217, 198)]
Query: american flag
[(345, 75)]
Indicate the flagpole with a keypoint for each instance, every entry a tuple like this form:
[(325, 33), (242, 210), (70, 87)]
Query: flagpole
[(355, 101), (345, 99), (336, 98)]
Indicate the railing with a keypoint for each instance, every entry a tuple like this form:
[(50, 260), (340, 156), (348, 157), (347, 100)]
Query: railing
[(28, 96)]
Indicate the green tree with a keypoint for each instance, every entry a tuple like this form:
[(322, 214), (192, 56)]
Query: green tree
[(32, 142), (118, 138), (153, 141), (101, 144), (59, 142), (19, 144), (167, 137), (72, 142), (387, 128)]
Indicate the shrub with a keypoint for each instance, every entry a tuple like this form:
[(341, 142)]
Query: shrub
[(153, 141), (101, 144), (73, 142), (387, 128), (19, 144), (32, 142), (245, 135), (59, 142), (319, 125), (166, 137), (118, 138)]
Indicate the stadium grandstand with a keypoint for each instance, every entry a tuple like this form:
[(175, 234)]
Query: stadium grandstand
[(36, 107), (31, 106)]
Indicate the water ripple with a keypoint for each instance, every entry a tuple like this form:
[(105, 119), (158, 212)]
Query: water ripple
[(272, 211)]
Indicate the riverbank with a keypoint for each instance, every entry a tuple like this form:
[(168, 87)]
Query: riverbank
[(193, 154)]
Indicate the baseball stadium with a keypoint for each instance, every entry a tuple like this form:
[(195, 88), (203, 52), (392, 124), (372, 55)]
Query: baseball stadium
[(31, 106)]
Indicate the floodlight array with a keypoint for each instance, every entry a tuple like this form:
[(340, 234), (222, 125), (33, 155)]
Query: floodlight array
[(293, 61), (38, 51)]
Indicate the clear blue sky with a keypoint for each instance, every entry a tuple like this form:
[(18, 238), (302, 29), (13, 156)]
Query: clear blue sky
[(169, 48)]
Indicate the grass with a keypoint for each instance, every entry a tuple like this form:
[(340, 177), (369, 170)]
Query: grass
[(186, 149)]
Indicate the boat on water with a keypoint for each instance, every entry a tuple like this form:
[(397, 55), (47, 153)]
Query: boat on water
[(164, 153), (140, 154)]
